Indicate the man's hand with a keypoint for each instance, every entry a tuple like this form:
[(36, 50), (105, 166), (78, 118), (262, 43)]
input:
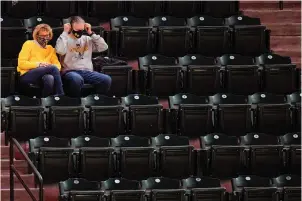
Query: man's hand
[(88, 28), (67, 27)]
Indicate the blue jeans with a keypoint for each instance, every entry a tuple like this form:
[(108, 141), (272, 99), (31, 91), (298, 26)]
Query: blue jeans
[(48, 78), (74, 81)]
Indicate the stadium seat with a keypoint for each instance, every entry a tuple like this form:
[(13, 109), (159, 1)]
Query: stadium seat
[(231, 114), (263, 154), (183, 9), (105, 116), (193, 115), (220, 149), (200, 71), (133, 38), (294, 100), (211, 36), (174, 151), (249, 37), (220, 8), (162, 188), (135, 156), (145, 9), (162, 76), (78, 189), (117, 189), (24, 117), (105, 10), (277, 69), (65, 116), (254, 188), (7, 81), (270, 113), (290, 186), (204, 188), (20, 9), (144, 116), (59, 10), (89, 141), (240, 74), (173, 36)]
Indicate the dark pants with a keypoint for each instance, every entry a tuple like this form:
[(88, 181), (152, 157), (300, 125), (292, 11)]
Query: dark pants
[(48, 78), (74, 81)]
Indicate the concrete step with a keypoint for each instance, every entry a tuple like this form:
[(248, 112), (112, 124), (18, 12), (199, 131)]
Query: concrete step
[(293, 5), (20, 165), (259, 5), (284, 29), (27, 178), (4, 152), (20, 194), (286, 42), (273, 16)]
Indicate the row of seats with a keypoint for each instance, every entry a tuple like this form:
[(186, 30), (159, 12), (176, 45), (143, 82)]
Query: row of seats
[(137, 157), (189, 115), (163, 76), (245, 188), (132, 37), (108, 9)]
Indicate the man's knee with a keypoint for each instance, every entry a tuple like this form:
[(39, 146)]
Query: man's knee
[(107, 81), (74, 80), (48, 80)]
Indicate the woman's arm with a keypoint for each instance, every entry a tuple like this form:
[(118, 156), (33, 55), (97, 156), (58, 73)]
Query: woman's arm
[(24, 55)]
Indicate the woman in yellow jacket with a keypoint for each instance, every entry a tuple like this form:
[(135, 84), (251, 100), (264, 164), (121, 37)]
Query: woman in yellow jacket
[(39, 64)]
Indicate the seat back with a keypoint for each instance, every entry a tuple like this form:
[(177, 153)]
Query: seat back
[(145, 9), (106, 10), (59, 9), (7, 81), (220, 9), (183, 9), (21, 9), (89, 141)]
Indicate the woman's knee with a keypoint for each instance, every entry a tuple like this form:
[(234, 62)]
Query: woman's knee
[(53, 69), (48, 80)]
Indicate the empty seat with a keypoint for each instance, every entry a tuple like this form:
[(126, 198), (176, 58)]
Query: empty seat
[(105, 115), (145, 9), (232, 113), (263, 154), (271, 113), (174, 151), (290, 139), (47, 141), (294, 100), (201, 74), (249, 37), (204, 188), (182, 9), (89, 141), (220, 8), (133, 37), (193, 115), (24, 117), (254, 188), (65, 116), (78, 189), (173, 36), (291, 186), (162, 76), (7, 81), (59, 10), (145, 116), (211, 37), (20, 9), (220, 150), (117, 189), (277, 69), (105, 10), (135, 156), (239, 72), (164, 189)]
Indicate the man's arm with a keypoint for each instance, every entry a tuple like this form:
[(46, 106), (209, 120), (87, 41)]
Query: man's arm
[(98, 43), (61, 45)]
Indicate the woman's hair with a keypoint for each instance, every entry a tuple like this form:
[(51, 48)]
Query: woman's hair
[(76, 19), (42, 27)]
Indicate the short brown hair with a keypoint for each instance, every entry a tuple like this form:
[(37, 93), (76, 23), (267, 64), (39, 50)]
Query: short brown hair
[(42, 27)]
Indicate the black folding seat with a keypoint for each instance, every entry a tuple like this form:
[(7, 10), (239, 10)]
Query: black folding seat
[(20, 9), (277, 69), (211, 37), (183, 9), (223, 155), (145, 9), (119, 189), (133, 37), (254, 188), (220, 8), (89, 141), (58, 9), (173, 36), (145, 115), (12, 32), (294, 100), (249, 36), (232, 114), (204, 188), (263, 154), (193, 115), (162, 188), (162, 76), (78, 189), (174, 151), (105, 10), (135, 156), (65, 116), (104, 116), (270, 113), (200, 71), (290, 185), (240, 74), (24, 117), (8, 75)]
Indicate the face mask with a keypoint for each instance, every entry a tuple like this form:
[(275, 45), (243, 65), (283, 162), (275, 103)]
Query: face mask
[(43, 41), (77, 34)]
